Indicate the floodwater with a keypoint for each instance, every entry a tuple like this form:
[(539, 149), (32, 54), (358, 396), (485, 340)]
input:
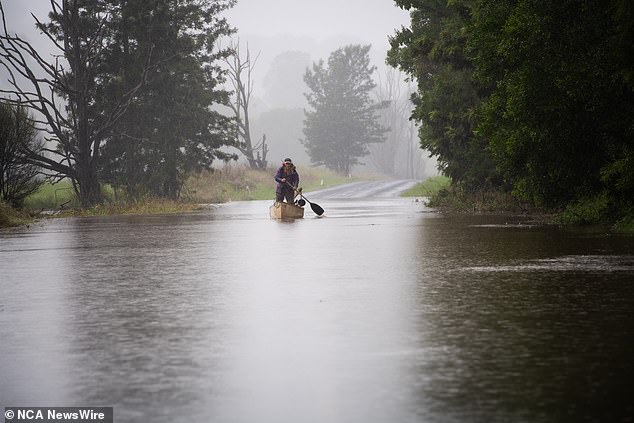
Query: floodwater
[(380, 311)]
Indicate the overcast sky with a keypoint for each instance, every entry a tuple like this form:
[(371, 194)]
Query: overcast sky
[(272, 27), (276, 25), (317, 27), (368, 20)]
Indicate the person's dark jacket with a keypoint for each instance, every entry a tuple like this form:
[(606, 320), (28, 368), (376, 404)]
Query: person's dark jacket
[(292, 178)]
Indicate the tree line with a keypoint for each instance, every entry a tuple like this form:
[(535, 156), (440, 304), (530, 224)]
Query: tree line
[(532, 97), (135, 97), (129, 96), (525, 96)]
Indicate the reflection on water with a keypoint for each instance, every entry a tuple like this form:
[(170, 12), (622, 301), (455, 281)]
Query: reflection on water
[(379, 311)]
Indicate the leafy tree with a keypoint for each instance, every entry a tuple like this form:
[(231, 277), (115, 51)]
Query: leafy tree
[(172, 128), (534, 96), (432, 51), (18, 177), (343, 119), (63, 94), (559, 119)]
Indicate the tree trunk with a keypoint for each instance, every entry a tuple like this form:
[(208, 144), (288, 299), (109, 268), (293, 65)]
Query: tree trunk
[(89, 189)]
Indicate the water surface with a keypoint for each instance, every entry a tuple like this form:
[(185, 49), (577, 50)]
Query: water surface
[(380, 311)]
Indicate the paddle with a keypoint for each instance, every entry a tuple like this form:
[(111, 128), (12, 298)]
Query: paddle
[(316, 207)]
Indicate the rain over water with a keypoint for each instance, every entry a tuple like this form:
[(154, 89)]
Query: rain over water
[(382, 310)]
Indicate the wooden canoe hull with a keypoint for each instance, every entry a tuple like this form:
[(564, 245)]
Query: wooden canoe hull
[(286, 211)]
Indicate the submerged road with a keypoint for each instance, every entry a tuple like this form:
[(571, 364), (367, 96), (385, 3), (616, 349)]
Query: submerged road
[(380, 311), (366, 189)]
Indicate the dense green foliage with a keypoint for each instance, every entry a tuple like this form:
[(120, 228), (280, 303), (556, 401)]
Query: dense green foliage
[(135, 86), (60, 89), (535, 97), (171, 129), (559, 121), (343, 119), (433, 51), (18, 177)]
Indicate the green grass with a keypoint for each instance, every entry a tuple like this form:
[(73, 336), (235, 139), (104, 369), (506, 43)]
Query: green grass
[(429, 187), (232, 183), (442, 194), (51, 197), (148, 205), (237, 183), (61, 197)]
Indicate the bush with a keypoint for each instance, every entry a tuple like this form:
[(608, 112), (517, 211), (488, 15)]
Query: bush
[(456, 199), (626, 223), (587, 211), (18, 177), (11, 217)]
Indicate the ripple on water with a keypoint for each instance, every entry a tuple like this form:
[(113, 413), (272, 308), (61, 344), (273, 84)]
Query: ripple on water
[(569, 263)]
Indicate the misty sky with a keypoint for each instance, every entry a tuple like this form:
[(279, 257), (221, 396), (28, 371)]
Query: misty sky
[(317, 27), (368, 20), (271, 28), (274, 26)]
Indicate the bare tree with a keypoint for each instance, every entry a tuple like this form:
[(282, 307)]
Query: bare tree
[(395, 116), (62, 93), (240, 76)]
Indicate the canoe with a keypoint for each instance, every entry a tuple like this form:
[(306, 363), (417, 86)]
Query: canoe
[(286, 211)]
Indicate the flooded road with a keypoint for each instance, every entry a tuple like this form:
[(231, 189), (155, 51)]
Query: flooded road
[(380, 311)]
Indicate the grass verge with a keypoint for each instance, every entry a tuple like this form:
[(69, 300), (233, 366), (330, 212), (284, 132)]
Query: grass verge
[(231, 183), (148, 205), (52, 196), (11, 217), (443, 195), (237, 183), (429, 187)]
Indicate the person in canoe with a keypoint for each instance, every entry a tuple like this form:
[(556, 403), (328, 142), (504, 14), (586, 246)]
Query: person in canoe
[(287, 180)]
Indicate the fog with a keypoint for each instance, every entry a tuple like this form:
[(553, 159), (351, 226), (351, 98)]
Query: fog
[(275, 26), (287, 36), (19, 20), (367, 19), (270, 28)]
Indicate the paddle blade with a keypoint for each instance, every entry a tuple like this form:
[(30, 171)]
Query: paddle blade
[(317, 209)]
